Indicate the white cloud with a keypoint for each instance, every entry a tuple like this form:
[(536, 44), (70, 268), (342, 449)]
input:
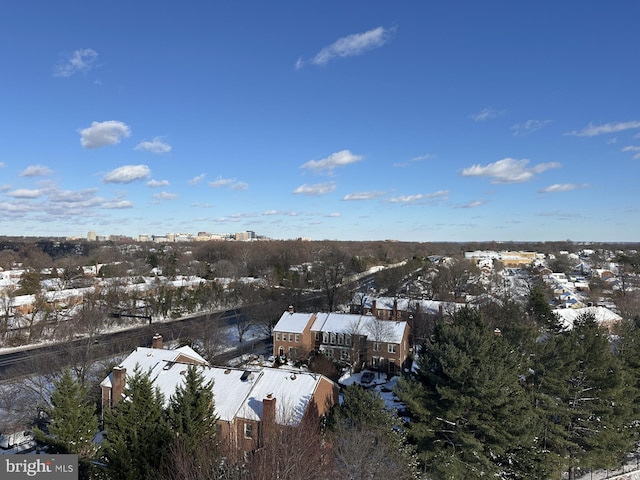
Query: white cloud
[(562, 187), (81, 60), (270, 213), (2, 165), (118, 204), (529, 126), (36, 171), (421, 197), (363, 196), (154, 146), (164, 196), (508, 170), (334, 215), (16, 209), (473, 204), (632, 148), (196, 180), (351, 45), (77, 197), (100, 134), (486, 114), (338, 159), (230, 183), (24, 193), (239, 186), (317, 189), (127, 174), (419, 158), (157, 183), (593, 130)]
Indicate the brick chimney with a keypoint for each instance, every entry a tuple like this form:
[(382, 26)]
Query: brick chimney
[(117, 385), (269, 410), (394, 313), (374, 308), (156, 341)]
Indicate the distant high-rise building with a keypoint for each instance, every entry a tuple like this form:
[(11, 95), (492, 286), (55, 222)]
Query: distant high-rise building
[(91, 236), (246, 236)]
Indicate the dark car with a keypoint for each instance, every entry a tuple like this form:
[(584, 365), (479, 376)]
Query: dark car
[(367, 377)]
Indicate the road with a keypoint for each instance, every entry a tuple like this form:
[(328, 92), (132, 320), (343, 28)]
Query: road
[(30, 359)]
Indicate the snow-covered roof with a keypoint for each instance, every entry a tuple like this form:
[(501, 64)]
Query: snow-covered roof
[(337, 323), (293, 392), (238, 393), (568, 316), (292, 322), (147, 359), (408, 305), (386, 330)]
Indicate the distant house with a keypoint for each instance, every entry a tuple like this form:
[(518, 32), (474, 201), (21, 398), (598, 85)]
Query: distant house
[(354, 339), (246, 400), (602, 315)]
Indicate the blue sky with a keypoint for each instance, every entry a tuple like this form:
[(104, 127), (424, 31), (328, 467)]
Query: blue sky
[(359, 120)]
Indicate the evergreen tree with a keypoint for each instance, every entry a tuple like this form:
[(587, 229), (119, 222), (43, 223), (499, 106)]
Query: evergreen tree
[(369, 441), (137, 435), (470, 412), (539, 309), (583, 399), (73, 421), (29, 282), (191, 412)]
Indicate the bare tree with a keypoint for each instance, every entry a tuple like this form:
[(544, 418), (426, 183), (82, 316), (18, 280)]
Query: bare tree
[(291, 453), (7, 298), (210, 335), (328, 272), (363, 453), (80, 334), (34, 320)]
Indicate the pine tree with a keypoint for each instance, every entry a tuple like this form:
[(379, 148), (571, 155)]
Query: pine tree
[(539, 309), (73, 421), (137, 435), (191, 412), (470, 412), (583, 399)]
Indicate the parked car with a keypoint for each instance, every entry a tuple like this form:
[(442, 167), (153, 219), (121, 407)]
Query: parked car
[(367, 377)]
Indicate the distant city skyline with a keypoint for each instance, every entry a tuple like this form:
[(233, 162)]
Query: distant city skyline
[(449, 121)]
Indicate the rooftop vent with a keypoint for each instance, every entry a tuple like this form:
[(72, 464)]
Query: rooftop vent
[(168, 365), (246, 375)]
